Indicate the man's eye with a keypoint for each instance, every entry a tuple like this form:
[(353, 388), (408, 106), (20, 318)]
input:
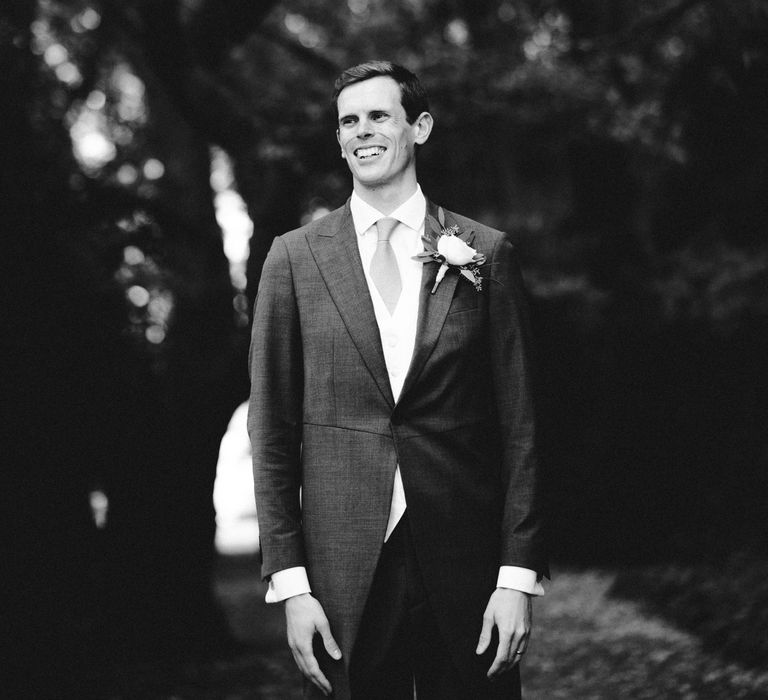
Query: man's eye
[(347, 122), (380, 116)]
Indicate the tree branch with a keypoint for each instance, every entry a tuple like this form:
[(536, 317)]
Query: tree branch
[(315, 58)]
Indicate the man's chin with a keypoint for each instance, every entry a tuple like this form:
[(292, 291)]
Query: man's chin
[(368, 171), (369, 181)]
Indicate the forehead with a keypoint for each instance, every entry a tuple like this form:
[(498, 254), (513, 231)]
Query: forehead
[(381, 92)]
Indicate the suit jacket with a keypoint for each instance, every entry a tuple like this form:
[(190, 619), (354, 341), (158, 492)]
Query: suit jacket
[(327, 434)]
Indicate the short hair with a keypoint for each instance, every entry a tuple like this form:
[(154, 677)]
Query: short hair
[(412, 94)]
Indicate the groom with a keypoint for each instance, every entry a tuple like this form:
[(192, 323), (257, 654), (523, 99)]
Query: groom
[(393, 430)]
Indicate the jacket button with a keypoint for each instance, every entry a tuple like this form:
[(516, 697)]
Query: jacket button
[(396, 418)]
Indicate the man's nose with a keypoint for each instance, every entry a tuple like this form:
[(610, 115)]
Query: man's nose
[(364, 129)]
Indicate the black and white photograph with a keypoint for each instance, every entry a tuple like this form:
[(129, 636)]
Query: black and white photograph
[(409, 350)]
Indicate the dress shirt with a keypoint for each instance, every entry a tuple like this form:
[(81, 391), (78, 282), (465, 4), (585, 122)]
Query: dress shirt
[(398, 338)]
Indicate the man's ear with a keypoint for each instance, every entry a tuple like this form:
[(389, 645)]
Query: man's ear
[(338, 138), (423, 127)]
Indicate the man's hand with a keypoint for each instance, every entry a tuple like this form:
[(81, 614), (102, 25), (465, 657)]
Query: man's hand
[(304, 617), (510, 611)]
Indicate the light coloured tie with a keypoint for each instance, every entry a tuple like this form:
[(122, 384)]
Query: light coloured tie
[(384, 271)]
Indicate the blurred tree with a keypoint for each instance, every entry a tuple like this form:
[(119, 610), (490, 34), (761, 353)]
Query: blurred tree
[(125, 356)]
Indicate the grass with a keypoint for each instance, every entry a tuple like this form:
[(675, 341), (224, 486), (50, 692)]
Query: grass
[(724, 603)]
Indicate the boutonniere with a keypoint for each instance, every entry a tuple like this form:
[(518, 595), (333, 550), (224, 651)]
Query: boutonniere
[(444, 244)]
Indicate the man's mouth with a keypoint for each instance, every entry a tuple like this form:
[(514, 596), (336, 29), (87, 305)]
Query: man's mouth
[(369, 152)]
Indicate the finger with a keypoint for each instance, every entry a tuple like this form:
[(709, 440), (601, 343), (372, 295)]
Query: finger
[(503, 653), (316, 675), (517, 657), (328, 641), (485, 634), (520, 645), (299, 661), (307, 663)]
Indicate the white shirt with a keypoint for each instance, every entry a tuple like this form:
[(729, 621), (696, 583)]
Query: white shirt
[(398, 337)]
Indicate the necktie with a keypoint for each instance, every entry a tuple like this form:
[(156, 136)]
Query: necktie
[(384, 271)]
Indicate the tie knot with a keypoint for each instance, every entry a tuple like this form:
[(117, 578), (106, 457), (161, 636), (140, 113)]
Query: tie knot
[(384, 228)]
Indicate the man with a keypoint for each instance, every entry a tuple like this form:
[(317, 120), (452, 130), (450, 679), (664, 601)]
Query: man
[(392, 428)]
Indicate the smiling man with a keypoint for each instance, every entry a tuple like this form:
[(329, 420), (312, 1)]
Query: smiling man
[(378, 137), (392, 428)]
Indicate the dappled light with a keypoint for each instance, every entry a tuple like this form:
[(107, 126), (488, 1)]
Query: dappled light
[(359, 8), (232, 216), (129, 95), (549, 39), (153, 169), (91, 145), (87, 20), (310, 36), (99, 508), (107, 120), (151, 304), (137, 295), (457, 32)]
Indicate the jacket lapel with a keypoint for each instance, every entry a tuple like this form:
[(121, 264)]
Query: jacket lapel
[(433, 308), (337, 255)]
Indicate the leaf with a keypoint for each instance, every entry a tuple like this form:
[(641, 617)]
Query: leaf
[(441, 216), (434, 228), (468, 274)]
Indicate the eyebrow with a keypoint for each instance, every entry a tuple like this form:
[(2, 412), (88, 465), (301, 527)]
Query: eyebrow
[(377, 110)]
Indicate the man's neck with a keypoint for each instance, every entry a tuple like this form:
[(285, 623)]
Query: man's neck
[(385, 198)]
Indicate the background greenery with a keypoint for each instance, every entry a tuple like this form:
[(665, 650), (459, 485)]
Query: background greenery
[(622, 144)]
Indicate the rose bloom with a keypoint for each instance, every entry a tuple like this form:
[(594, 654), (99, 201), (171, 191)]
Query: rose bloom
[(455, 251)]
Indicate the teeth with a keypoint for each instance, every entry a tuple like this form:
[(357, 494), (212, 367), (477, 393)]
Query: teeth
[(369, 151)]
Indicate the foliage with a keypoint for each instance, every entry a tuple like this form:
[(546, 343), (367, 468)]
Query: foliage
[(709, 600)]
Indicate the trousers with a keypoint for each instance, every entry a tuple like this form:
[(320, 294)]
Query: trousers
[(400, 653)]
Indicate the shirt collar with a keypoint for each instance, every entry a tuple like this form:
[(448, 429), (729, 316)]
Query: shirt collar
[(411, 212)]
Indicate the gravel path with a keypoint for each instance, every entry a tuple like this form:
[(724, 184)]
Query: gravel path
[(586, 646)]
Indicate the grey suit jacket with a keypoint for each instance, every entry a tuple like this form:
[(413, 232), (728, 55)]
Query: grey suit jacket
[(327, 434)]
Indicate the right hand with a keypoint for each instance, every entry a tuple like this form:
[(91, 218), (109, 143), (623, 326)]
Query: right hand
[(304, 618)]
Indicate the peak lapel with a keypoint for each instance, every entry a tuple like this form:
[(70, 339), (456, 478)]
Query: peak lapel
[(433, 308), (337, 256)]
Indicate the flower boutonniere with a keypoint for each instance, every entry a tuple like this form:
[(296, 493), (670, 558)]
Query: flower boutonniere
[(444, 244)]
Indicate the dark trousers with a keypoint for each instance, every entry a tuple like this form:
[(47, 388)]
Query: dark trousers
[(399, 644)]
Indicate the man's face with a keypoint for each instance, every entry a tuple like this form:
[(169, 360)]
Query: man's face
[(375, 137)]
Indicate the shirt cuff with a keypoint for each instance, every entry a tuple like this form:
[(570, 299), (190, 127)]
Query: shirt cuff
[(520, 579), (287, 583)]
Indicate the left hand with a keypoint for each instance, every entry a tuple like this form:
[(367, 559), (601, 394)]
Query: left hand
[(510, 611)]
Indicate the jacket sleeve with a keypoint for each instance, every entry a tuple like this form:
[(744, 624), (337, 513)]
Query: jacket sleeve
[(523, 539), (275, 414)]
